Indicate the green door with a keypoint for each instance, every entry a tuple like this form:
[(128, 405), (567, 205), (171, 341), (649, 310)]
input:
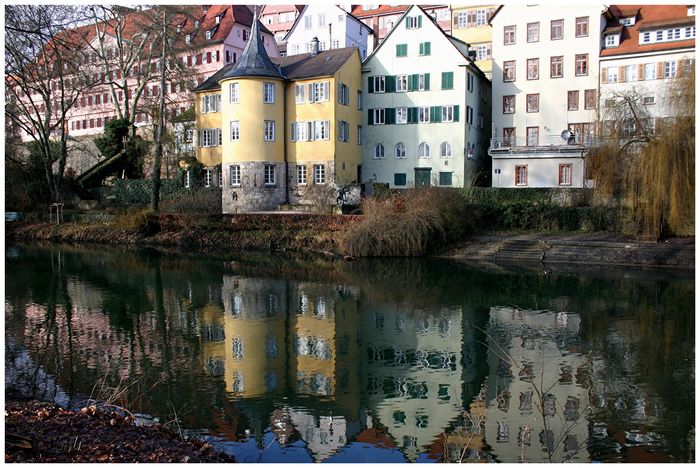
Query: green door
[(423, 177)]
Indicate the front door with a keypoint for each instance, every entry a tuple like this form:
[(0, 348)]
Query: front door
[(423, 177)]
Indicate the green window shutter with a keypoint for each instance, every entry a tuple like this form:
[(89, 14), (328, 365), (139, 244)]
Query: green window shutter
[(451, 78), (414, 80), (390, 83), (420, 21), (398, 50), (407, 25), (426, 48), (427, 81), (370, 116), (390, 115), (399, 179), (432, 113), (445, 178), (404, 50), (412, 115), (456, 113), (370, 84), (420, 49), (436, 114)]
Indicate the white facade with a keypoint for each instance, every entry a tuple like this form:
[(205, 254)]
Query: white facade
[(545, 81), (435, 106), (333, 27)]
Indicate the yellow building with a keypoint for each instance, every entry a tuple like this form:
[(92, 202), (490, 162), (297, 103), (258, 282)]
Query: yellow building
[(470, 23), (284, 130)]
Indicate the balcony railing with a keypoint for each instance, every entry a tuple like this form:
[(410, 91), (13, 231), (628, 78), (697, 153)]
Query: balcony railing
[(544, 142)]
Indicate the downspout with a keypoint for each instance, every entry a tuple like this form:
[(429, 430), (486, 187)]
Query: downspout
[(284, 149)]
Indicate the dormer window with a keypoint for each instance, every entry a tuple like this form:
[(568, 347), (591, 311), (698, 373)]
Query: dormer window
[(245, 35), (691, 10), (612, 40), (196, 24), (209, 34), (178, 28), (629, 21), (218, 18), (188, 39)]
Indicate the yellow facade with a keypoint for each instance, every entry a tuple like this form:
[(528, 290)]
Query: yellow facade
[(474, 35), (209, 155), (348, 154), (251, 112)]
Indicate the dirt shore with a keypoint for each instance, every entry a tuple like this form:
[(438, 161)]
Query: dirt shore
[(46, 433)]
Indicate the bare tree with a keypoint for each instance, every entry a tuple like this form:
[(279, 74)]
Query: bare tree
[(45, 71)]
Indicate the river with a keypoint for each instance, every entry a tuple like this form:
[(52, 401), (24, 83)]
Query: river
[(276, 358)]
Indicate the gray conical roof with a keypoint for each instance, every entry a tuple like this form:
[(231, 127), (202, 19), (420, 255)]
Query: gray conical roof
[(254, 61)]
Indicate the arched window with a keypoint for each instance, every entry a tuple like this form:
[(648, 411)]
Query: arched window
[(424, 150), (400, 150), (378, 151), (445, 150)]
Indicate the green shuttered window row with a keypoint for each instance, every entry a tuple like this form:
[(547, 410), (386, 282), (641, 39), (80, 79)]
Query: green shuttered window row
[(438, 114), (416, 82)]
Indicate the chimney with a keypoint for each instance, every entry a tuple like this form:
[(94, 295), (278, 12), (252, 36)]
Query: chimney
[(314, 46)]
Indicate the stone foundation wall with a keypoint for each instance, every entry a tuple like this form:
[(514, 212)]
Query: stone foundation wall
[(252, 195)]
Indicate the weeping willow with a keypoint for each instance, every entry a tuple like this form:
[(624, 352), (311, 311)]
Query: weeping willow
[(651, 167)]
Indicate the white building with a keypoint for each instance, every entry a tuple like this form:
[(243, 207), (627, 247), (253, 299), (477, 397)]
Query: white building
[(645, 47), (545, 81), (427, 108), (334, 27)]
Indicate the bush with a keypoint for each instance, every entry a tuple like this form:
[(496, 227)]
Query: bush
[(194, 201), (410, 223), (143, 221)]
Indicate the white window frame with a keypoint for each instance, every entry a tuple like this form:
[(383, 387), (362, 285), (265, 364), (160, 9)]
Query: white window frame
[(379, 116), (269, 130), (319, 174), (234, 172), (308, 22), (379, 84), (631, 73), (670, 69), (235, 127), (234, 93), (445, 150), (448, 113), (378, 152), (268, 93), (301, 174), (423, 150), (359, 134), (359, 100), (649, 71), (401, 115), (424, 115), (321, 129), (421, 82), (400, 151), (401, 83), (300, 93), (613, 75), (270, 174)]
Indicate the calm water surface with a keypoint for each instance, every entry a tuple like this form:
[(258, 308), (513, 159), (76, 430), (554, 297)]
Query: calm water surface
[(278, 359)]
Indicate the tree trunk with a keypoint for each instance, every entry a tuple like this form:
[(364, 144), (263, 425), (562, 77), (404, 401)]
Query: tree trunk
[(155, 174)]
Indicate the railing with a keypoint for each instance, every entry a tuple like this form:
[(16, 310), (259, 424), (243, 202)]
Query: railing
[(546, 141)]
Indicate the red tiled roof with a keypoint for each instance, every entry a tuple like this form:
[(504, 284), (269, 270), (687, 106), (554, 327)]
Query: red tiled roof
[(267, 9), (376, 437), (648, 16), (358, 12)]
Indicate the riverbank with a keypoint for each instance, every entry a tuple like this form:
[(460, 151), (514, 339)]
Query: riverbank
[(324, 233), (45, 433)]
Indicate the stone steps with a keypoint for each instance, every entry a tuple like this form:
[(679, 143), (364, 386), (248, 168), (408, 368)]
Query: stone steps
[(290, 207), (520, 251)]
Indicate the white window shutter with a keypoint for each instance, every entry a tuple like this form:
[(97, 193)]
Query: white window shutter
[(294, 131), (327, 86), (310, 130), (204, 104), (311, 92), (328, 128)]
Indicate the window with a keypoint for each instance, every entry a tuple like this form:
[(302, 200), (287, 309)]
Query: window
[(448, 113), (424, 114), (270, 174), (649, 100), (669, 69), (509, 104), (649, 71), (413, 22), (359, 134), (423, 81), (509, 35), (301, 175), (210, 137), (401, 50), (533, 102), (533, 69), (401, 115), (533, 32), (234, 175), (378, 117), (445, 178), (268, 93), (424, 150), (322, 21), (319, 92), (612, 40), (308, 22), (378, 151), (557, 29), (483, 52), (400, 151), (509, 136), (589, 97), (400, 179), (424, 48), (646, 37), (556, 67), (470, 115), (445, 150), (208, 35), (612, 74), (401, 83), (509, 70), (461, 20), (581, 64), (187, 179), (447, 80), (321, 130), (631, 73), (269, 130), (234, 93), (533, 135), (319, 174), (235, 130), (359, 100), (470, 82), (211, 103), (188, 39), (378, 84), (343, 94), (521, 175), (565, 174), (572, 100), (343, 131), (582, 26), (299, 93)]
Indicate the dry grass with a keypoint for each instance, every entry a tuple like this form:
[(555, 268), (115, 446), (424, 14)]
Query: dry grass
[(406, 224)]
